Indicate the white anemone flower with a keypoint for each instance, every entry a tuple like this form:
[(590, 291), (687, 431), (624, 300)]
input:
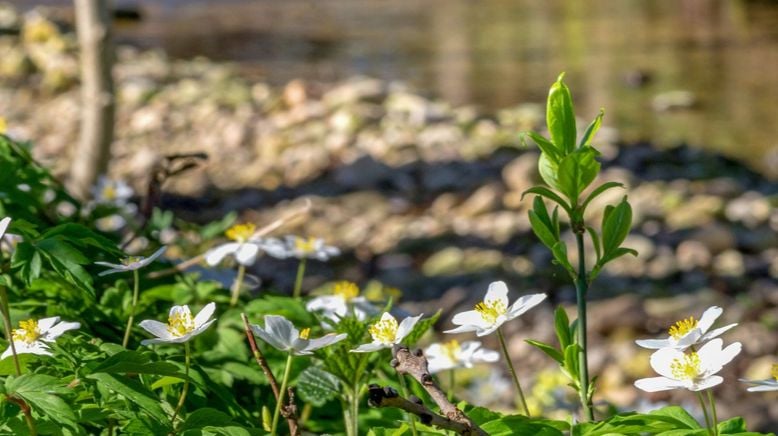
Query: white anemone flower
[(180, 327), (108, 191), (694, 371), (452, 355), (301, 248), (282, 334), (386, 333), (32, 336), (770, 384), (244, 248), (494, 311), (131, 263), (4, 223), (687, 332), (345, 299)]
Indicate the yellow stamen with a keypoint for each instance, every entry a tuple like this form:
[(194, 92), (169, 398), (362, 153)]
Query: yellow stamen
[(241, 232), (130, 260), (180, 323), (683, 327), (490, 310), (346, 289), (774, 371), (109, 192), (305, 333), (27, 331), (687, 367), (384, 331), (305, 245), (3, 125), (451, 349)]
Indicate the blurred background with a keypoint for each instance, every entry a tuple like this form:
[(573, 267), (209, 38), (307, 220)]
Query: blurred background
[(400, 122)]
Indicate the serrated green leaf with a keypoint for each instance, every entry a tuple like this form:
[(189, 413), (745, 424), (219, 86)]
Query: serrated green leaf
[(317, 386), (134, 391)]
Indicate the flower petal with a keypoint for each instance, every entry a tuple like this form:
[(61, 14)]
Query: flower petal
[(709, 317), (282, 329), (4, 223), (324, 341), (405, 328), (715, 333), (655, 344), (662, 360), (484, 355), (270, 338), (759, 388), (706, 383), (198, 330), (366, 348), (156, 328), (204, 314), (470, 318), (656, 384), (215, 255), (112, 271), (247, 253), (497, 291), (58, 329), (44, 324), (524, 304)]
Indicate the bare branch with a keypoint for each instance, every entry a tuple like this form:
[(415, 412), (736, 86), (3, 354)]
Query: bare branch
[(388, 397)]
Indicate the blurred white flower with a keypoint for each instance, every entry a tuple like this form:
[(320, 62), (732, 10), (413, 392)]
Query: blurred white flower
[(8, 241), (32, 336), (387, 333), (770, 384), (694, 371), (282, 334), (494, 311), (180, 327), (131, 263), (299, 247), (4, 223), (110, 223), (685, 333), (244, 249), (345, 299), (113, 192), (452, 355)]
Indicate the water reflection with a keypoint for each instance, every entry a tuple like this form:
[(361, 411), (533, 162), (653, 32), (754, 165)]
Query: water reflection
[(497, 53)]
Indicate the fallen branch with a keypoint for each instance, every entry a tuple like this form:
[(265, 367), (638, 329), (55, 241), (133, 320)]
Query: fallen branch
[(288, 411), (415, 365)]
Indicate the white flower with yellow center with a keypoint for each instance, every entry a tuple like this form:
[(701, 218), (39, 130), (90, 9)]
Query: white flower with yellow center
[(180, 327), (244, 248), (387, 333), (452, 355), (32, 336), (345, 299), (687, 332), (694, 370), (282, 334), (113, 192), (770, 384), (301, 248), (494, 311), (131, 263)]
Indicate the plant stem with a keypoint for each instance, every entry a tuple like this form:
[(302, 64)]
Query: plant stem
[(298, 282), (512, 370), (404, 392), (705, 412), (355, 409), (281, 394), (135, 290), (6, 309), (581, 287), (348, 422), (451, 384), (237, 285), (184, 391), (715, 418)]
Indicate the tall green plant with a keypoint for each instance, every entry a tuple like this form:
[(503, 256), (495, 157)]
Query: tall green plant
[(569, 166)]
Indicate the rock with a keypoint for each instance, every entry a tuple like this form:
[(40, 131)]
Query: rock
[(692, 254), (484, 199), (354, 90), (715, 237), (521, 173), (602, 314), (729, 264), (673, 100), (751, 209), (694, 212)]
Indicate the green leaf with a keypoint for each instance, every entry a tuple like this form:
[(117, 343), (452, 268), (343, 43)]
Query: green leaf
[(559, 251), (38, 391), (551, 195), (545, 146), (518, 425), (616, 225), (421, 328), (560, 117), (549, 169), (317, 386), (206, 417), (577, 171), (134, 391), (548, 349), (562, 328), (588, 135), (677, 416), (599, 190), (137, 363), (541, 230), (571, 363), (595, 241)]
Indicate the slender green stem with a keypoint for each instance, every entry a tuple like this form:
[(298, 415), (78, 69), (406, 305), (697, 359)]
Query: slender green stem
[(522, 401), (237, 285), (184, 391), (404, 392), (281, 394), (581, 288), (348, 422), (355, 409), (451, 384), (705, 412), (135, 291), (6, 309), (298, 282), (715, 419)]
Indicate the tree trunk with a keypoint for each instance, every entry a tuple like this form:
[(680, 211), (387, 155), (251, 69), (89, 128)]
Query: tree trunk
[(97, 96)]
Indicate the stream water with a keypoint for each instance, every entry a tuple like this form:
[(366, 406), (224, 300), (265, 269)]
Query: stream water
[(618, 54)]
